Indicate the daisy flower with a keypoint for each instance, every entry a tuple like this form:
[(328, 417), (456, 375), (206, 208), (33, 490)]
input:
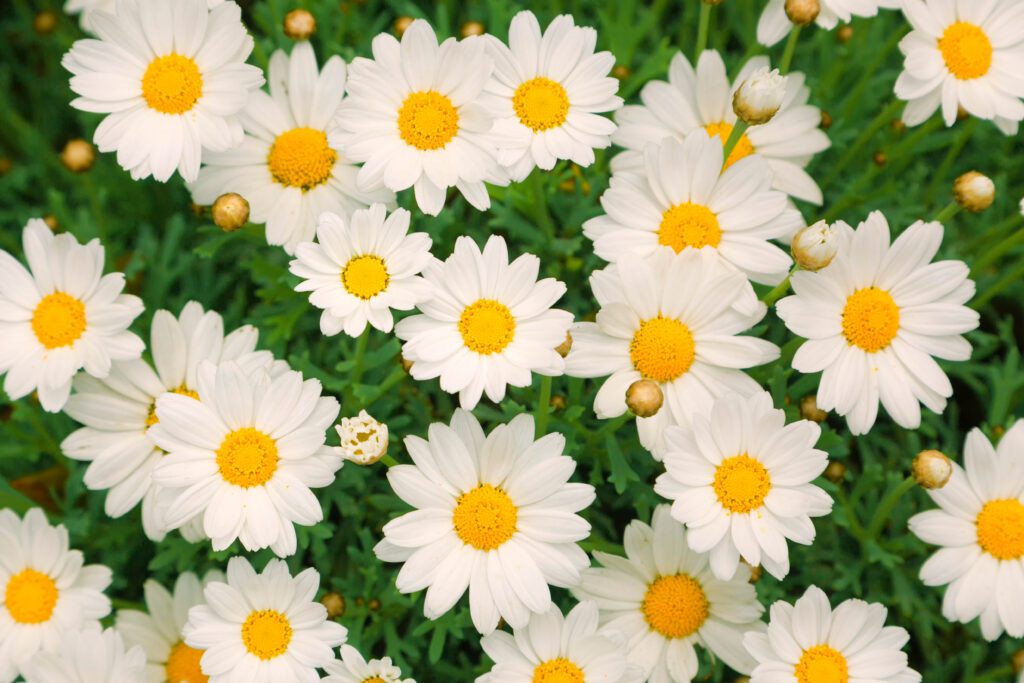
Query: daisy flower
[(88, 656), (44, 590), (664, 599), (60, 315), (245, 454), (963, 54), (672, 319), (741, 482), (809, 642), (414, 115), (488, 323), (701, 100), (547, 93), (494, 514), (263, 628), (875, 317), (980, 527), (774, 25), (353, 668), (285, 167), (171, 77), (682, 199), (86, 9), (362, 267)]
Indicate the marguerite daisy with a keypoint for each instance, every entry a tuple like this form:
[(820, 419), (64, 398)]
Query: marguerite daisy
[(875, 317), (774, 24), (664, 599), (86, 9), (488, 323), (171, 77), (88, 656), (494, 514), (353, 668), (60, 315), (363, 267)]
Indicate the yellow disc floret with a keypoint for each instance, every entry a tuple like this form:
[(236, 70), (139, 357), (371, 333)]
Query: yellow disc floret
[(689, 225), (266, 634), (487, 326), (675, 606), (1001, 529), (172, 84), (428, 120), (301, 158), (662, 349), (558, 670), (31, 597), (967, 50), (871, 319), (183, 665), (822, 664), (59, 320), (247, 457), (365, 276), (541, 103), (485, 518), (741, 483)]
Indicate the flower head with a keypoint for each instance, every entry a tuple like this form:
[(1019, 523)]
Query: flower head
[(815, 246), (759, 98), (364, 441)]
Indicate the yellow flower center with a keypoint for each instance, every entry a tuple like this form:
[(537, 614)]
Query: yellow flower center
[(428, 120), (741, 483), (183, 665), (374, 679), (31, 597), (172, 84), (365, 276), (1001, 529), (266, 634), (247, 457), (675, 606), (487, 326), (301, 158), (689, 225), (59, 320), (559, 670), (821, 664), (966, 50), (743, 148), (485, 517), (662, 349), (540, 104), (871, 319), (152, 419)]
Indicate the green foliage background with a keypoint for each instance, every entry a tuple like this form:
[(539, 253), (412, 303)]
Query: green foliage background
[(172, 254)]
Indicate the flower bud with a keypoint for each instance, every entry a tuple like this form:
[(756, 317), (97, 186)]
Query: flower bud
[(364, 441), (826, 120), (802, 12), (299, 24), (45, 22), (51, 222), (974, 191), (644, 398), (334, 603), (566, 346), (78, 155), (1021, 206), (402, 23), (759, 97), (472, 28), (835, 471), (815, 246), (844, 33), (932, 469), (621, 72), (1017, 661), (405, 363), (558, 402), (809, 409), (5, 165), (230, 212)]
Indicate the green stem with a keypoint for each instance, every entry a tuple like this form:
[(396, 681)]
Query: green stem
[(357, 367), (539, 204), (856, 528), (543, 406), (951, 156), (787, 56), (993, 254), (948, 212), (1002, 672), (780, 289), (1002, 283), (734, 137), (702, 30), (879, 121), (885, 507), (388, 460)]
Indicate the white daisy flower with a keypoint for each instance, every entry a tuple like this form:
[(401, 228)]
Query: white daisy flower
[(672, 319), (682, 199), (353, 668), (159, 630), (809, 642), (875, 317), (963, 53), (86, 9), (980, 527), (414, 116), (701, 100), (285, 167), (774, 25), (263, 628), (494, 514), (664, 599), (88, 656), (171, 77), (245, 454), (362, 267), (44, 590), (60, 315), (547, 93), (741, 482), (488, 323)]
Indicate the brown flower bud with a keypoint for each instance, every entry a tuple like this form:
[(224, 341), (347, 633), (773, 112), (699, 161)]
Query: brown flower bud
[(299, 24), (405, 363), (826, 120), (374, 605), (802, 12), (335, 604), (1018, 661), (932, 469), (621, 72), (402, 23), (809, 409), (45, 22), (974, 191), (230, 212), (880, 158), (564, 348), (78, 155), (558, 402), (844, 33), (51, 222), (644, 398), (5, 165), (835, 471), (472, 28)]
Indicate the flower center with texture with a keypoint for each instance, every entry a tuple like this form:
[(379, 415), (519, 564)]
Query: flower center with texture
[(540, 104), (743, 147), (871, 319), (183, 665), (1001, 529), (966, 50), (689, 225), (559, 670), (59, 320), (741, 483), (266, 634), (247, 457), (662, 349), (822, 664), (428, 120), (301, 158), (31, 597), (365, 276), (487, 326), (172, 84), (675, 606), (485, 518)]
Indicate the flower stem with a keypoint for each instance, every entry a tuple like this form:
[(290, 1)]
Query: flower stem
[(388, 460), (787, 56), (885, 507), (734, 137), (948, 212), (993, 254), (780, 289), (543, 406), (539, 204), (357, 367), (1010, 278), (702, 30)]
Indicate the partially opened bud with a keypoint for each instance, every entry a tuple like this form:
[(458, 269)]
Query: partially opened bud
[(802, 12), (759, 97), (974, 191), (644, 398), (230, 212), (932, 469), (364, 441), (299, 24), (815, 246)]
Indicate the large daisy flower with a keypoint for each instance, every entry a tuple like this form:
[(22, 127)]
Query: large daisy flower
[(45, 591), (353, 668), (60, 315), (809, 642), (488, 324), (963, 53), (547, 93), (664, 599), (171, 77), (245, 454), (875, 317), (774, 25), (414, 115), (88, 656), (494, 514), (701, 100), (263, 628), (980, 527), (285, 166)]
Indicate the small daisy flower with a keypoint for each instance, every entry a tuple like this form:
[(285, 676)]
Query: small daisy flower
[(86, 9), (741, 482), (980, 527), (88, 656), (264, 627), (494, 514), (774, 25), (488, 323), (963, 54), (364, 441), (353, 668), (285, 167), (171, 77), (45, 591), (682, 199), (546, 102), (245, 454), (414, 115), (361, 268), (875, 317), (809, 642), (664, 599), (60, 315), (701, 100)]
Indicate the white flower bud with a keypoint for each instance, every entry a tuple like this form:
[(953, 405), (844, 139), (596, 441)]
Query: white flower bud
[(815, 246), (759, 97), (364, 441), (932, 469), (974, 191)]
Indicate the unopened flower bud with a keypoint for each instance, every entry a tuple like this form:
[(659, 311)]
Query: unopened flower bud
[(566, 346), (472, 28), (1018, 661), (364, 441), (815, 246), (621, 72), (405, 363), (230, 212), (51, 221), (844, 33), (402, 23), (835, 471), (802, 12), (932, 469), (974, 191), (558, 402), (335, 604), (826, 120), (299, 24), (644, 398), (759, 97), (78, 155), (809, 409), (45, 22)]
